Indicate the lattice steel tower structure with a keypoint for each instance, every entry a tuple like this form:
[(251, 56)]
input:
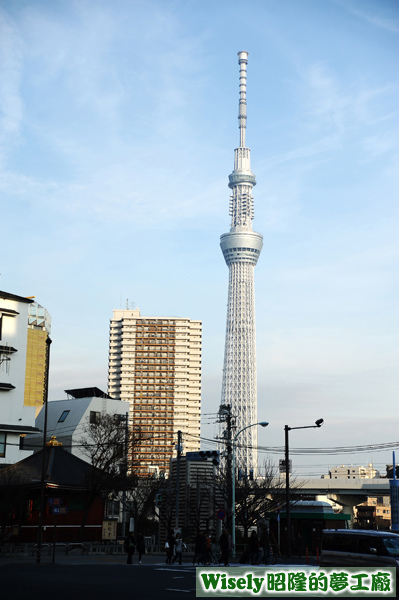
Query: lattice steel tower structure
[(241, 248)]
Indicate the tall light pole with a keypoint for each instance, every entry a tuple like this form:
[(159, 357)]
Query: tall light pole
[(233, 479), (125, 418), (179, 449), (44, 446), (318, 423)]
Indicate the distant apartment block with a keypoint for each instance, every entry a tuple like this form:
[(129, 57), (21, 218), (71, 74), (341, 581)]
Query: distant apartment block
[(155, 366), (375, 513), (352, 472)]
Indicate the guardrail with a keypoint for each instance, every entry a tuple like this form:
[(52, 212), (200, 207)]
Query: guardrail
[(75, 547)]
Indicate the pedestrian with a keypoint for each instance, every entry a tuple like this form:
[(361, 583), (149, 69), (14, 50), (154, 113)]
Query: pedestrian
[(300, 546), (265, 545), (179, 547), (198, 548), (253, 547), (140, 544), (130, 546), (225, 547), (169, 547), (208, 548)]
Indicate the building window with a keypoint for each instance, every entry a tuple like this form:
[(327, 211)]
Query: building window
[(3, 440), (63, 416), (95, 417)]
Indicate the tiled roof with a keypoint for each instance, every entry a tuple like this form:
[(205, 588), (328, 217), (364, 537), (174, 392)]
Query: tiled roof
[(62, 469)]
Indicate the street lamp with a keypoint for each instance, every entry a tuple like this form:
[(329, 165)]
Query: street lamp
[(317, 424), (233, 479)]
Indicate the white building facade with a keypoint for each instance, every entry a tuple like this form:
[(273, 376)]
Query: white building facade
[(69, 419), (155, 366), (16, 420), (353, 472)]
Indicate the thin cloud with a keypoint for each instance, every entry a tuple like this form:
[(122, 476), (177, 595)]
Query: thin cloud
[(374, 18), (11, 106)]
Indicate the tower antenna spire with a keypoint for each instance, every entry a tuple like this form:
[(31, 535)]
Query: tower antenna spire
[(242, 106)]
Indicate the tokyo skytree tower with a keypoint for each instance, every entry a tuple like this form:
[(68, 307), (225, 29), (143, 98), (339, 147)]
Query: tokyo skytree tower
[(241, 248)]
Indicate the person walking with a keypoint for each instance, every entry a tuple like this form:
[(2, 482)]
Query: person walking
[(169, 547), (265, 545), (198, 548), (253, 547), (130, 546), (140, 544), (225, 547), (208, 548), (179, 547)]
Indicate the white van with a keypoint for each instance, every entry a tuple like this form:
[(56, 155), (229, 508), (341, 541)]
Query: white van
[(359, 548)]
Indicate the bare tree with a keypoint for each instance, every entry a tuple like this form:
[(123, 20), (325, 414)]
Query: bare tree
[(138, 500), (110, 446), (253, 497), (166, 504)]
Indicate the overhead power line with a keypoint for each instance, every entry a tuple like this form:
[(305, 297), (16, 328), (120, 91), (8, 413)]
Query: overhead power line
[(303, 451)]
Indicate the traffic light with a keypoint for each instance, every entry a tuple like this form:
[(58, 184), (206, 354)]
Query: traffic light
[(158, 500), (213, 454)]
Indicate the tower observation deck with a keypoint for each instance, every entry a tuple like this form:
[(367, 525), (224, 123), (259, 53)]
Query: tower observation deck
[(241, 248)]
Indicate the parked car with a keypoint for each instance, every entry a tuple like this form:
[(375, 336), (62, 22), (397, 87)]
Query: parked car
[(359, 548)]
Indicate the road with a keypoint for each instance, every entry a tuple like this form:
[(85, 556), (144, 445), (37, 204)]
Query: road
[(101, 577), (107, 578), (98, 581)]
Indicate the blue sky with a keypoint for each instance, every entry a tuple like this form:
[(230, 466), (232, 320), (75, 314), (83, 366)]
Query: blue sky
[(118, 122)]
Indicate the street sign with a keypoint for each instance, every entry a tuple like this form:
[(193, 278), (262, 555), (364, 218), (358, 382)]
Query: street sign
[(59, 510), (109, 529), (54, 501), (221, 514)]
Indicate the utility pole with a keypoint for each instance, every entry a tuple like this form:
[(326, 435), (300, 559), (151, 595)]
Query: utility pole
[(179, 453), (125, 470), (287, 490), (43, 474), (225, 416)]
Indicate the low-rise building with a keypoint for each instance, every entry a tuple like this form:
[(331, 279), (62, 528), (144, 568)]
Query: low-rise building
[(16, 419), (193, 478), (375, 513), (67, 419), (74, 498), (352, 472)]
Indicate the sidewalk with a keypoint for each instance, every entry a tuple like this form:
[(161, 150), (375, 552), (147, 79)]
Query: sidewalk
[(77, 558)]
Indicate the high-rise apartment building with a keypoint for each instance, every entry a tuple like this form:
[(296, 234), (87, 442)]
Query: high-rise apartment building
[(39, 328), (155, 366), (241, 248)]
